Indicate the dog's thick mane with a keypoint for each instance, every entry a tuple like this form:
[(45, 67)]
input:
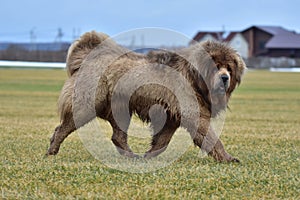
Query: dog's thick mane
[(182, 65)]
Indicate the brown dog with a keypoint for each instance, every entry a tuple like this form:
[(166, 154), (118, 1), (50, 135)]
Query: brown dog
[(168, 89)]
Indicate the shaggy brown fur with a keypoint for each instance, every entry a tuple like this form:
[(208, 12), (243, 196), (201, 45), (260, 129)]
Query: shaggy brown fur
[(102, 74)]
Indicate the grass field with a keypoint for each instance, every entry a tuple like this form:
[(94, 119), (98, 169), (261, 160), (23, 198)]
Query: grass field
[(262, 130)]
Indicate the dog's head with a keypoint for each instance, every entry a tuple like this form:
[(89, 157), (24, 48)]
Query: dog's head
[(225, 69), (222, 69)]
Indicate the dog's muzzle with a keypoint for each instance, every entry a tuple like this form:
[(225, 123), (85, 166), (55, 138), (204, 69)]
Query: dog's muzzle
[(221, 84)]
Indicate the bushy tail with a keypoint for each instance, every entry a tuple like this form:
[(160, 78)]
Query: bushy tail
[(81, 48)]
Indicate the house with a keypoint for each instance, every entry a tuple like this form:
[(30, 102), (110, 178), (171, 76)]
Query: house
[(272, 41), (234, 39), (207, 35), (237, 41), (284, 46)]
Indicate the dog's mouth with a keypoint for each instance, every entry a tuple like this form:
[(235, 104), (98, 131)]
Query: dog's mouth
[(218, 99), (220, 90)]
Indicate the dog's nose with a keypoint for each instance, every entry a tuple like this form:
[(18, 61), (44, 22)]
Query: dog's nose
[(224, 78)]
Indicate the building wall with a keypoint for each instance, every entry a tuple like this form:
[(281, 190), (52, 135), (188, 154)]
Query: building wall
[(248, 35), (257, 40), (291, 53), (239, 43), (260, 40)]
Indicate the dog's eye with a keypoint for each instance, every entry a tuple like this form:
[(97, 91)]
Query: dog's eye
[(229, 69)]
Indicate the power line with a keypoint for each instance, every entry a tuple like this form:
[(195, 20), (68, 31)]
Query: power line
[(35, 34)]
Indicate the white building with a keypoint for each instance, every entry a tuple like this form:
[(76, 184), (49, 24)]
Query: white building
[(237, 41)]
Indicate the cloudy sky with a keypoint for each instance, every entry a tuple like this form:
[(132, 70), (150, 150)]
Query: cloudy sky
[(43, 18)]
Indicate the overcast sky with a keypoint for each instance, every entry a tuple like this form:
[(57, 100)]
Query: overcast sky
[(44, 17)]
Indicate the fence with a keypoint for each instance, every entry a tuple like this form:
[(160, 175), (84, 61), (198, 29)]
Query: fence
[(15, 52), (267, 62)]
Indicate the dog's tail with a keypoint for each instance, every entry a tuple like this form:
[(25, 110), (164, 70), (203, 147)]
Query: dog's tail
[(81, 48)]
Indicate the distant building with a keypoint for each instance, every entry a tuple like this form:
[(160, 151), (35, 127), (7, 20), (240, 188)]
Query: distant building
[(207, 35), (237, 41), (256, 41), (234, 39), (272, 41)]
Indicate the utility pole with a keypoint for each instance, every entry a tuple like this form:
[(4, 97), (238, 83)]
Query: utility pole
[(76, 33), (132, 43), (32, 36), (59, 35), (142, 41)]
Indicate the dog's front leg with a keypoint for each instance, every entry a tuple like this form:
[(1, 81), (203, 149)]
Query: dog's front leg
[(219, 154), (209, 142)]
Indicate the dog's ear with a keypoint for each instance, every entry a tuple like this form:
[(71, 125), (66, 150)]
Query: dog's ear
[(161, 57), (240, 67)]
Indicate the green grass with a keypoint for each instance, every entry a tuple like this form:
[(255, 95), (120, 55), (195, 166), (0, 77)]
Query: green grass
[(262, 130)]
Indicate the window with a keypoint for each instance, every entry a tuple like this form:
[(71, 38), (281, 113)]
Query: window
[(237, 43), (262, 45)]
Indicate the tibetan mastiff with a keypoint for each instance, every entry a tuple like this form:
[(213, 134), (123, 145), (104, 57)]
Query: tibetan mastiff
[(169, 89)]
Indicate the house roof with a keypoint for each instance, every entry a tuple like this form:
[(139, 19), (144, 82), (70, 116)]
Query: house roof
[(201, 34), (291, 41), (282, 38), (274, 30)]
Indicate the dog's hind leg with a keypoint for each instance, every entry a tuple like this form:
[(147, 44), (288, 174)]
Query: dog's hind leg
[(119, 137), (161, 139), (61, 132)]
